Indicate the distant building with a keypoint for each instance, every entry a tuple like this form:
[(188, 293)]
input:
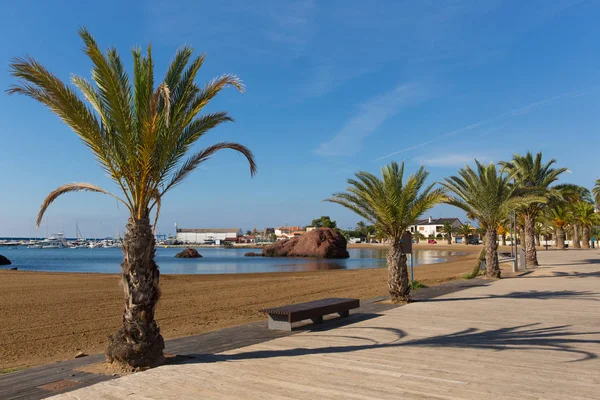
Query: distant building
[(208, 235), (287, 232), (433, 226)]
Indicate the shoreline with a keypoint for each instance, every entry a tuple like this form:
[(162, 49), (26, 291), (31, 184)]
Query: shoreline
[(50, 316)]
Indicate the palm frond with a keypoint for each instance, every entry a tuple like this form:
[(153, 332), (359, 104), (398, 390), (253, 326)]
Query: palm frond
[(68, 188)]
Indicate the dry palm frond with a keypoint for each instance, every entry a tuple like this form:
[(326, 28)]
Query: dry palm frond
[(71, 187)]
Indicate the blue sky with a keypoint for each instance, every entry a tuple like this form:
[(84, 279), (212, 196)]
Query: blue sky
[(332, 87)]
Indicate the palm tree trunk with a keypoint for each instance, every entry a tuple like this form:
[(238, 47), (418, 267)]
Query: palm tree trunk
[(492, 267), (585, 237), (138, 343), (576, 244), (504, 239), (449, 238), (398, 284), (537, 240), (465, 240), (560, 238), (530, 251)]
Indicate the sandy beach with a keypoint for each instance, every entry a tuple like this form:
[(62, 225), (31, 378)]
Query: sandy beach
[(48, 317)]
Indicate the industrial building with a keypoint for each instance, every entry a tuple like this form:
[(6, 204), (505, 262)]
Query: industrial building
[(208, 235)]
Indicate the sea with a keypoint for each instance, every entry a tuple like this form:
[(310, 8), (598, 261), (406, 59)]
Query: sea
[(214, 261)]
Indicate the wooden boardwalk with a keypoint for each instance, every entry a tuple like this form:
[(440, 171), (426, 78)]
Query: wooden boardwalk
[(532, 337)]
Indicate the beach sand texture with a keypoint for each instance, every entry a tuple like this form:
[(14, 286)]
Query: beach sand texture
[(48, 317)]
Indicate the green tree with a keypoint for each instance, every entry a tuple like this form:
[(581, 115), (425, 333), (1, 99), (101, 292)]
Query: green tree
[(573, 197), (532, 176), (488, 195), (361, 227), (391, 204), (596, 193), (448, 229), (558, 215), (140, 133), (465, 230), (584, 215), (324, 222)]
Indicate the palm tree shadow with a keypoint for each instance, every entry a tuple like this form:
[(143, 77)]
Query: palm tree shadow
[(520, 337), (531, 294)]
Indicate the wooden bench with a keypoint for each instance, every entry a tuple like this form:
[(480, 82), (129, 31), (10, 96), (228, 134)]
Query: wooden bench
[(282, 318)]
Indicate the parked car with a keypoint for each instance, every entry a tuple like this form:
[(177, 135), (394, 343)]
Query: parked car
[(432, 241)]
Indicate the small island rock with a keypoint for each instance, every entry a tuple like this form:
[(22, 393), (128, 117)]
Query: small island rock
[(188, 253), (252, 254), (4, 260), (318, 243)]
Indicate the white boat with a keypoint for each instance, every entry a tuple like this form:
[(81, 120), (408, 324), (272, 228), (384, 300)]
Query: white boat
[(55, 241), (95, 245)]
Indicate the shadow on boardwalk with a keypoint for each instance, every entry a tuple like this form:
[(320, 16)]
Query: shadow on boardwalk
[(531, 294), (563, 274), (520, 337)]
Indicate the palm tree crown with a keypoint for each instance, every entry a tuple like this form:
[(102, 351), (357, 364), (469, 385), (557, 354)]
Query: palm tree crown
[(486, 194), (390, 203), (139, 132)]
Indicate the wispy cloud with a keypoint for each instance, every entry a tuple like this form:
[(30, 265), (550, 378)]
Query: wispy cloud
[(510, 114), (371, 115), (450, 160)]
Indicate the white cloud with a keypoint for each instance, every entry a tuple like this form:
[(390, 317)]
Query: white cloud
[(371, 115)]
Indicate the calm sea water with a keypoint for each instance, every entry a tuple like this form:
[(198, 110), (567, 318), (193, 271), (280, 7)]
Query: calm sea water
[(214, 261)]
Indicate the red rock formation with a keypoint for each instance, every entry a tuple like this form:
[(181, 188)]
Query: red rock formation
[(319, 243), (189, 253)]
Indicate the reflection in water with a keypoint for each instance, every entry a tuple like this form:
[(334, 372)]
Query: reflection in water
[(214, 261)]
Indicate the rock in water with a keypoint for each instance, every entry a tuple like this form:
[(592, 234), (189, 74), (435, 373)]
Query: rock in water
[(319, 243), (4, 260), (188, 253), (252, 254), (14, 268)]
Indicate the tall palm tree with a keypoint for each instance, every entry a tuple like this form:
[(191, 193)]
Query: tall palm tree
[(448, 229), (392, 205), (465, 230), (533, 176), (488, 195), (140, 133), (558, 216), (585, 216)]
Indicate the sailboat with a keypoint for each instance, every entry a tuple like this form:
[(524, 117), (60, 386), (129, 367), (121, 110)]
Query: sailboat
[(79, 242)]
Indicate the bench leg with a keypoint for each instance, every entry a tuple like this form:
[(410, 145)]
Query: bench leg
[(279, 323), (317, 320), (344, 314)]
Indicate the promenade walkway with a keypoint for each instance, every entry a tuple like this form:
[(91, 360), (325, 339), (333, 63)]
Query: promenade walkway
[(531, 337)]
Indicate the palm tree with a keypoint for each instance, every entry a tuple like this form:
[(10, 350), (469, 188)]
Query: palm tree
[(465, 230), (488, 195), (573, 197), (140, 134), (532, 176), (361, 227), (584, 215), (502, 230), (392, 205), (448, 229), (596, 193), (558, 216)]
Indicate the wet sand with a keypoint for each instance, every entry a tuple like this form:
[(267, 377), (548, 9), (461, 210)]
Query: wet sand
[(47, 317)]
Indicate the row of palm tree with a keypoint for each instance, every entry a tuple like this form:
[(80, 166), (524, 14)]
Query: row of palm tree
[(487, 193)]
